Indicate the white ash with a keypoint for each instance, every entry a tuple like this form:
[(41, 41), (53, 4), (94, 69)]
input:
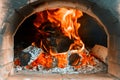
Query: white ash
[(18, 68), (34, 51), (99, 67)]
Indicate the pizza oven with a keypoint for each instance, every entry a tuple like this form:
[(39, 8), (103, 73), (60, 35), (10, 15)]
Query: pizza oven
[(59, 39)]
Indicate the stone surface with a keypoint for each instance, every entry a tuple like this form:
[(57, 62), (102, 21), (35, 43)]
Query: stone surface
[(5, 31), (6, 42), (3, 11), (100, 76), (8, 6), (107, 18), (5, 71), (15, 4), (114, 42), (112, 5), (15, 21), (114, 49), (6, 56), (114, 56), (114, 69), (118, 43), (36, 77)]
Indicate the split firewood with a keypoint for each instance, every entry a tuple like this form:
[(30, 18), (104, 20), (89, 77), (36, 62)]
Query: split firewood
[(100, 52)]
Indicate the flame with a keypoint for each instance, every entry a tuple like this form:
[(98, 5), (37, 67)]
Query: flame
[(62, 60), (65, 20), (86, 60), (43, 59), (47, 61)]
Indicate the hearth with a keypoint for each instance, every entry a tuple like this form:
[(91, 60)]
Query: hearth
[(21, 47), (50, 41)]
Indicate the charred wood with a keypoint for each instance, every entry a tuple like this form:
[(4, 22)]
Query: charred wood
[(74, 59), (24, 58)]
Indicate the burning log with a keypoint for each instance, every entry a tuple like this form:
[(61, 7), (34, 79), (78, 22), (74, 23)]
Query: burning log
[(84, 59), (100, 52), (74, 59), (27, 55)]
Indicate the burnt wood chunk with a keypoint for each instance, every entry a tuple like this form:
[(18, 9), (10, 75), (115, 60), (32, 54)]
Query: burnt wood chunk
[(63, 44), (24, 58), (74, 59)]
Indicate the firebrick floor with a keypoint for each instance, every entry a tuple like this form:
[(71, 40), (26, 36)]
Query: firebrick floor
[(33, 76)]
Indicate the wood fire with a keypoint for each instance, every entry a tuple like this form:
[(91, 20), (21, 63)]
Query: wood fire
[(50, 25)]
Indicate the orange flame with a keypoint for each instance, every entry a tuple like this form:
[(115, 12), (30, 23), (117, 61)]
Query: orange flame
[(65, 20), (43, 59), (86, 60)]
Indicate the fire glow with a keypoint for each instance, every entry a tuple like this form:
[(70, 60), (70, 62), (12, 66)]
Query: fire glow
[(63, 20)]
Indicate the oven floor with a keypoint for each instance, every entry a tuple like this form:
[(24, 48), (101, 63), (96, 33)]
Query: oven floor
[(35, 76)]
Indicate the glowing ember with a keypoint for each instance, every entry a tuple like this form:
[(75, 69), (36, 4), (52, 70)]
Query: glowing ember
[(43, 59), (86, 60)]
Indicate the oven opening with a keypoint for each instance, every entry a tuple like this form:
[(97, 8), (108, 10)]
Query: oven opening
[(60, 40)]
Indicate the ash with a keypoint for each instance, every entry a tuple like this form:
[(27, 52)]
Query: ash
[(84, 69), (34, 51), (100, 67)]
